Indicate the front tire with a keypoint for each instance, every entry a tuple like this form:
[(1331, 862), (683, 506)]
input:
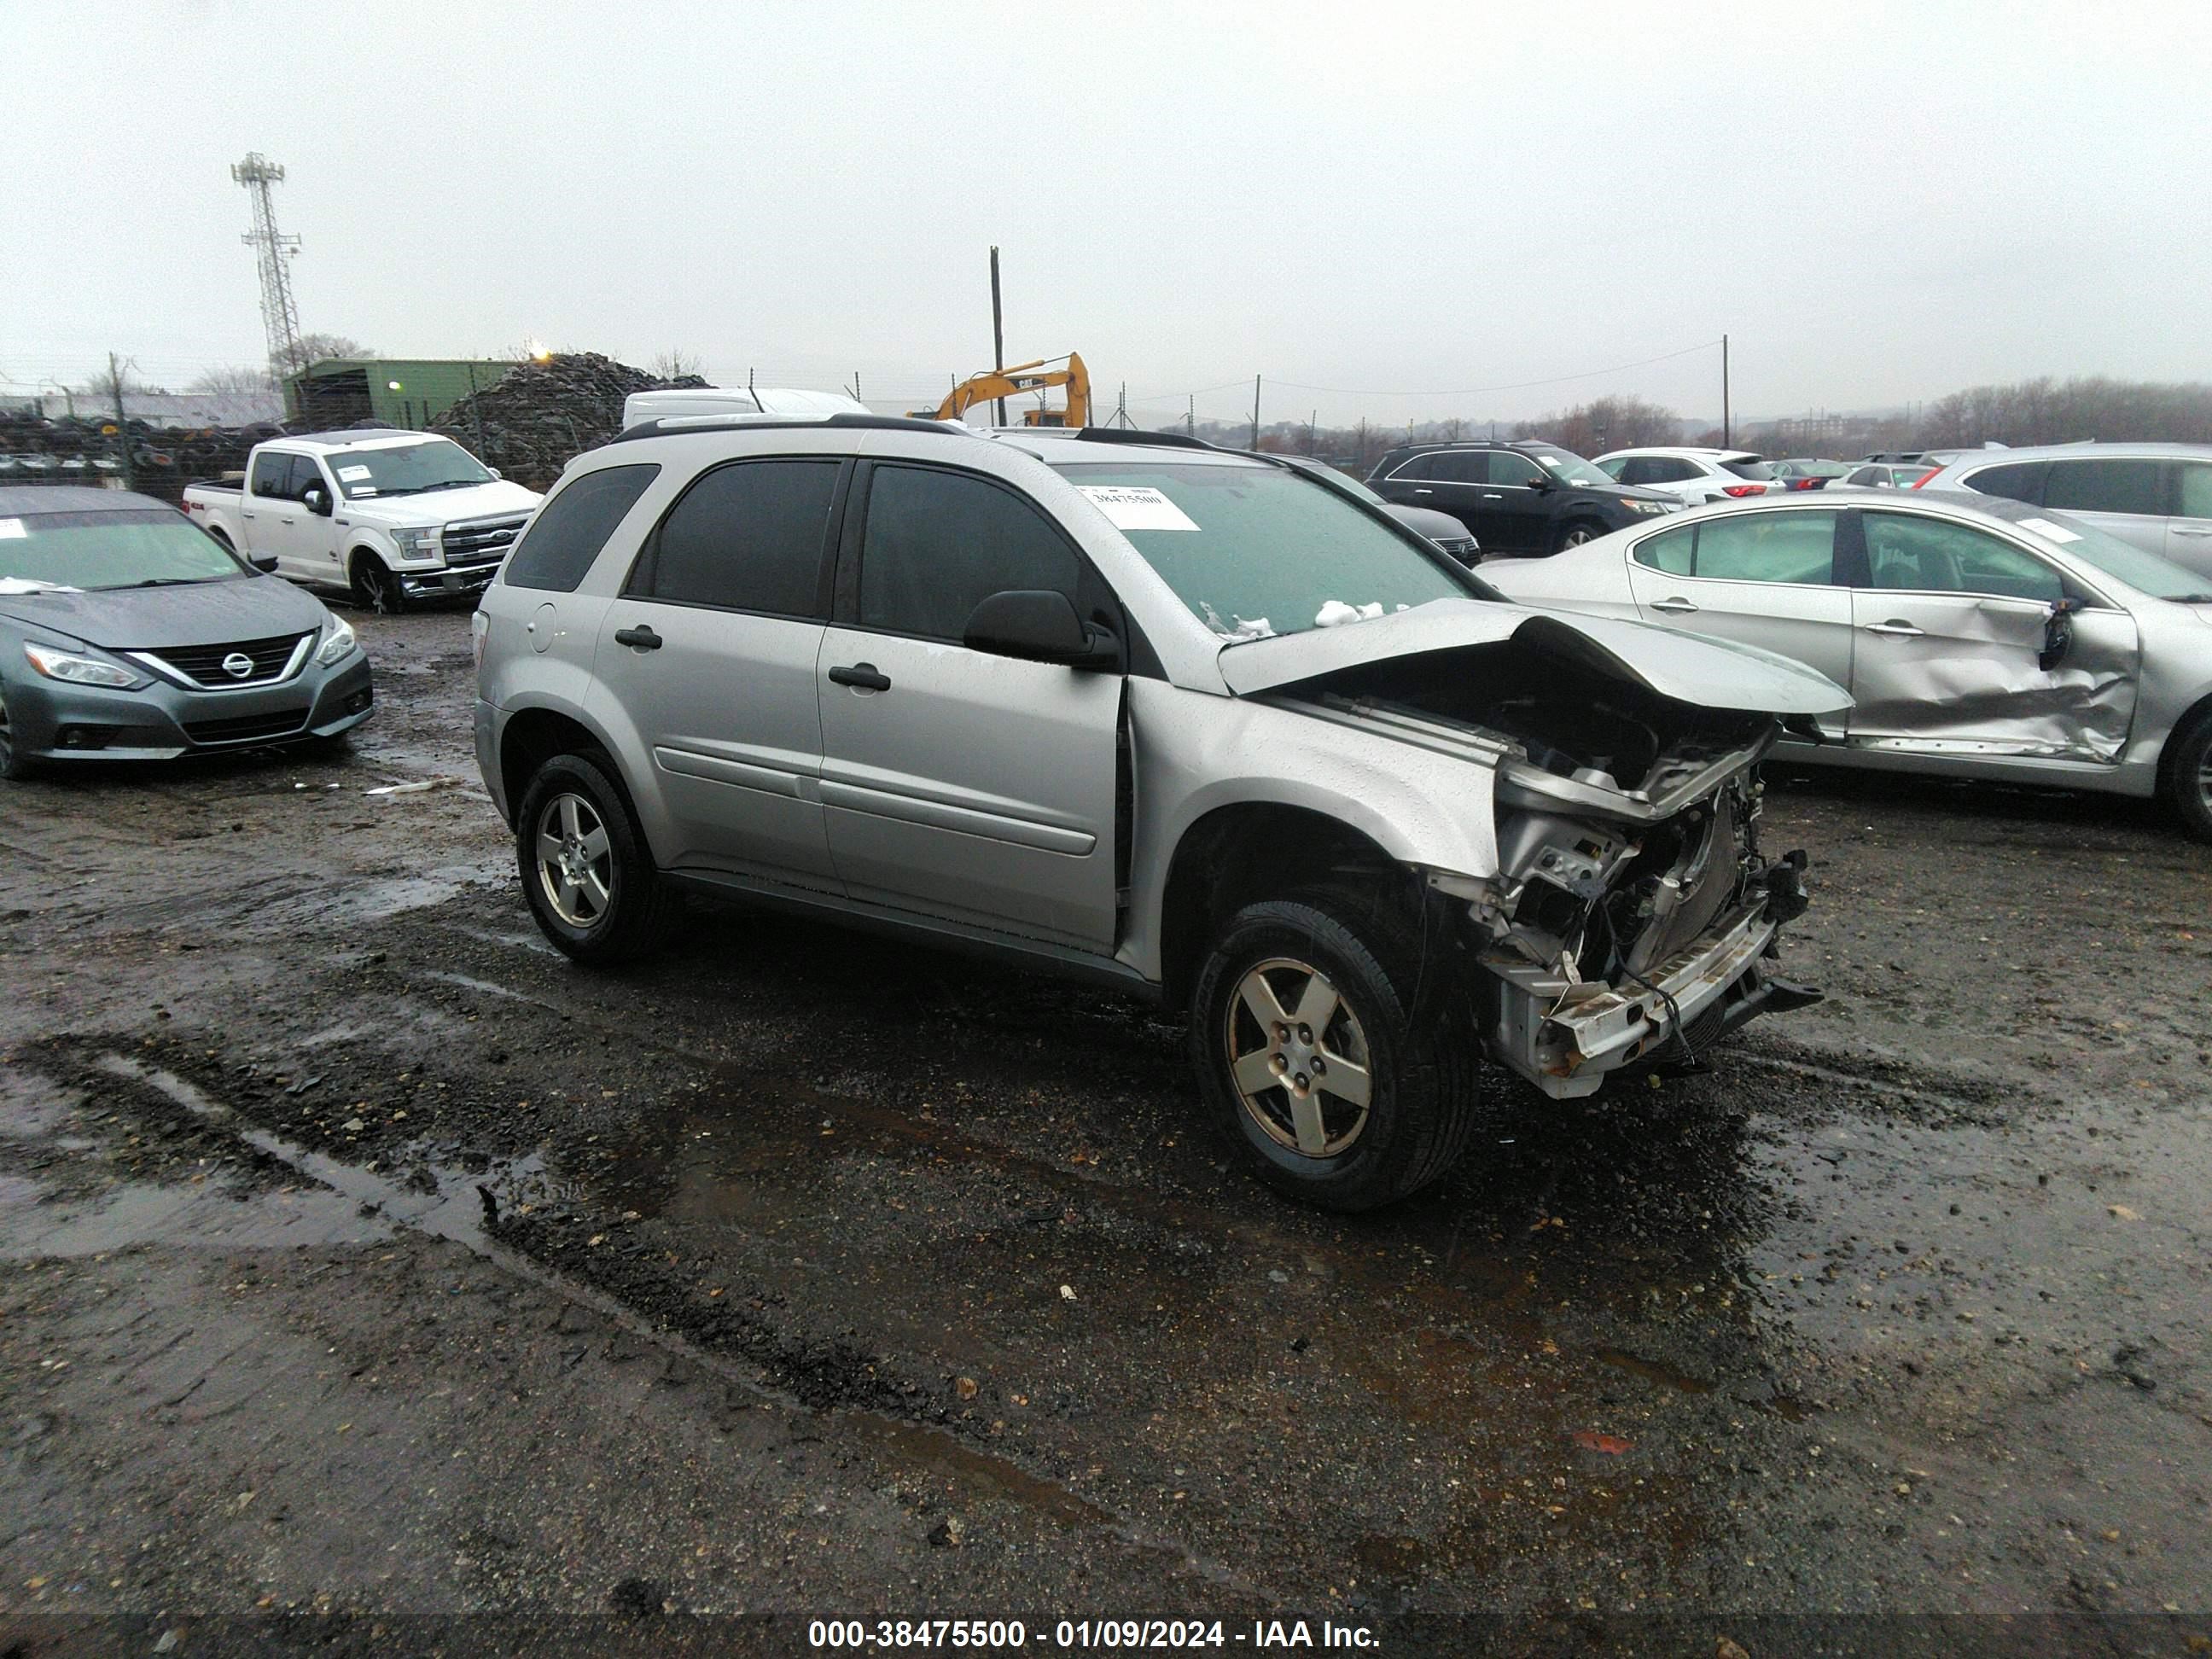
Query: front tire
[(13, 764), (586, 872), (1313, 1059), (2188, 775), (375, 588), (1578, 533)]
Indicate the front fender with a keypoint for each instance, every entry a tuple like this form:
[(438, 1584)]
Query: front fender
[(1195, 753)]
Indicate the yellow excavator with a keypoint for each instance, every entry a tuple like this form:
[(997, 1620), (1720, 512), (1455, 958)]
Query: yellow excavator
[(1012, 382)]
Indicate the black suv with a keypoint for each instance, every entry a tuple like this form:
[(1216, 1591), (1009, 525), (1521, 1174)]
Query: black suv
[(1524, 498)]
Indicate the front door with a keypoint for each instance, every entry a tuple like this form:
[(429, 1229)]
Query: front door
[(1516, 505), (1757, 578), (271, 516), (1953, 625), (959, 784), (708, 661)]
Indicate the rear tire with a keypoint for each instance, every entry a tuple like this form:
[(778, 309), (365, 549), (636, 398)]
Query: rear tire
[(586, 872), (1303, 997), (375, 588), (2189, 774)]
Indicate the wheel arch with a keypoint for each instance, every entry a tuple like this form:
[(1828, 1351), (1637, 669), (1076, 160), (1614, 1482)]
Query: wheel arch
[(532, 735), (1239, 854)]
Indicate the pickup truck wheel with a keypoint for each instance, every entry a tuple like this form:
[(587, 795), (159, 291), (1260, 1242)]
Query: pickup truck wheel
[(375, 588), (585, 870), (2188, 775), (1303, 1035)]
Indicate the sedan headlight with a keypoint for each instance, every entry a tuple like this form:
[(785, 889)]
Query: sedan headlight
[(82, 670), (417, 544), (337, 644)]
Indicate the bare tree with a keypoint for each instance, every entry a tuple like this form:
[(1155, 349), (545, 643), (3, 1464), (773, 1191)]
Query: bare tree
[(314, 348), (235, 377), (676, 364), (1623, 422)]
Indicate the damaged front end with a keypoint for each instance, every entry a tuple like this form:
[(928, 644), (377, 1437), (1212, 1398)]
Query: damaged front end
[(1631, 920)]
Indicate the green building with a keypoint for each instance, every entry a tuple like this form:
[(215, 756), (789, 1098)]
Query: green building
[(338, 392)]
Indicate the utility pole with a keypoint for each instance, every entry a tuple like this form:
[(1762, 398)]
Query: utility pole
[(122, 423), (1313, 427), (280, 315), (1727, 428), (998, 331), (1256, 412), (1190, 417)]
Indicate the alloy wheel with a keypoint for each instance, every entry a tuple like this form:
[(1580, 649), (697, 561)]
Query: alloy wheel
[(575, 861), (1299, 1057)]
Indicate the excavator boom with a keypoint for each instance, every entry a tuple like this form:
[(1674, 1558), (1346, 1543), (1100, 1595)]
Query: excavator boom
[(1012, 382)]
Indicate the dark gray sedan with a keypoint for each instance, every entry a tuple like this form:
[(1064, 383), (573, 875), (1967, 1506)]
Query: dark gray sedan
[(127, 633)]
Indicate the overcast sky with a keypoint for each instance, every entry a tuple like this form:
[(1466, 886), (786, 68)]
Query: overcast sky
[(1408, 204)]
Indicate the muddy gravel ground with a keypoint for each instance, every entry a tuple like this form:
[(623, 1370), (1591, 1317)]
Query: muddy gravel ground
[(360, 1256)]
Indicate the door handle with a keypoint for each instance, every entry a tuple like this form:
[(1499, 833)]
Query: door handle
[(1431, 492), (288, 521), (1680, 607), (2179, 530), (861, 677), (1492, 496), (643, 637), (1895, 630)]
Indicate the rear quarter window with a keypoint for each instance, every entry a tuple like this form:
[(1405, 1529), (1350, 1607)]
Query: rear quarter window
[(571, 528), (2016, 481)]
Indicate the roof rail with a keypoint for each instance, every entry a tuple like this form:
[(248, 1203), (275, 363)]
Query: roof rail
[(674, 426), (1125, 435)]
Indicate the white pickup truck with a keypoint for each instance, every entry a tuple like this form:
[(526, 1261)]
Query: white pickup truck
[(387, 515)]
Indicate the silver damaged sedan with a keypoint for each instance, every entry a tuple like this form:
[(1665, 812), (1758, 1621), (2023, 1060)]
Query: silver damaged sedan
[(1979, 637)]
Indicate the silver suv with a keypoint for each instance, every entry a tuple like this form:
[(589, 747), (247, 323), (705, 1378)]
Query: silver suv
[(1183, 723)]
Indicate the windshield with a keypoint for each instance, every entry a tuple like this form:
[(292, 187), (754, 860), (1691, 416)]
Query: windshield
[(2147, 573), (136, 548), (1255, 550), (406, 470), (1569, 468)]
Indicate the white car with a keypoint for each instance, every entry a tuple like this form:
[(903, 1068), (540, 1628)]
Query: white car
[(1696, 476)]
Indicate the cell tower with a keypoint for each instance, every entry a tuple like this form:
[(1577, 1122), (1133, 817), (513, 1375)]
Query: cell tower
[(271, 251)]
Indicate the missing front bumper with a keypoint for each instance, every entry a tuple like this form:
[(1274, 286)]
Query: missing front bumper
[(1567, 1037)]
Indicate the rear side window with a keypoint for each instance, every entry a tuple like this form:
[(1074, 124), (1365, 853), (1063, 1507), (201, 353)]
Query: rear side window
[(746, 536), (570, 529), (2106, 486), (1766, 547), (1671, 550), (271, 470), (1446, 467), (2018, 481), (2197, 489), (940, 544)]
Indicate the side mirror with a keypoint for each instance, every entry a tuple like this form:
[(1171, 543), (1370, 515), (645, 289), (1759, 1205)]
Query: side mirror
[(1038, 625), (316, 500), (2057, 633), (495, 473), (264, 562), (1539, 483)]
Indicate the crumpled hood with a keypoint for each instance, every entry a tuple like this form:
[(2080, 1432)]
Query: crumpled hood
[(1705, 673), (202, 613), (440, 506)]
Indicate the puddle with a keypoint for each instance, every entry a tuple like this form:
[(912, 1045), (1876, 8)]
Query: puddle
[(204, 1215)]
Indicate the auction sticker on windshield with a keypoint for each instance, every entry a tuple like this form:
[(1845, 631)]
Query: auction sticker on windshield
[(1130, 507), (11, 530), (351, 474)]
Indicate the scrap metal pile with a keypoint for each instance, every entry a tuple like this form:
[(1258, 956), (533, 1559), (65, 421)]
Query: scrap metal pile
[(160, 460), (539, 415)]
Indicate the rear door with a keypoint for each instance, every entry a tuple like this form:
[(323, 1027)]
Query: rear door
[(1449, 480), (2188, 532), (1951, 622), (2122, 495), (710, 656), (959, 784), (1757, 578)]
